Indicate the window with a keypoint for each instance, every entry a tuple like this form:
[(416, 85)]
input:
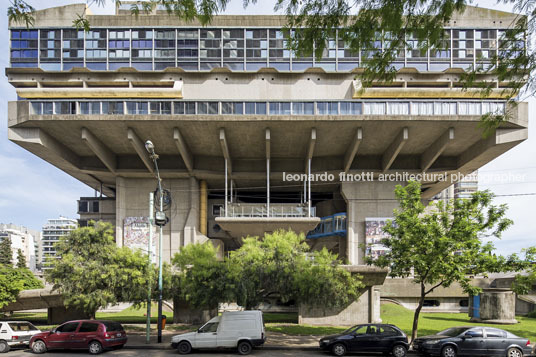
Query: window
[(95, 206), (422, 108), (469, 108), (163, 108), (327, 108), (256, 49), (444, 108), (65, 108), (184, 107), (232, 108), (374, 108), (112, 326), (113, 108), (37, 108), (431, 303), (89, 107), (387, 331), (68, 327), (209, 327), (350, 108), (88, 327), (137, 108), (361, 330), (495, 333), (210, 108), (280, 108), (303, 108), (394, 108), (83, 206), (73, 47), (464, 302), (492, 108), (22, 326), (255, 108), (217, 210), (475, 333)]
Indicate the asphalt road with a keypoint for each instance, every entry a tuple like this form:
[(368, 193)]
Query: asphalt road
[(158, 353)]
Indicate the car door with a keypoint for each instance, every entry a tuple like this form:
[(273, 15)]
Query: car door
[(360, 339), (207, 336), (496, 342), (86, 332), (387, 337), (62, 336), (473, 343)]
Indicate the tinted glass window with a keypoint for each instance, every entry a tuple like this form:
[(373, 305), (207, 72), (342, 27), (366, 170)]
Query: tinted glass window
[(495, 333), (361, 330), (452, 332), (387, 331), (475, 333), (88, 327), (113, 326), (68, 327)]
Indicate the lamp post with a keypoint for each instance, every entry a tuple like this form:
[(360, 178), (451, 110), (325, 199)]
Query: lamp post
[(150, 148)]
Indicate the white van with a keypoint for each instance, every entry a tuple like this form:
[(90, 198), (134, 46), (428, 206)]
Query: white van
[(16, 334), (233, 329)]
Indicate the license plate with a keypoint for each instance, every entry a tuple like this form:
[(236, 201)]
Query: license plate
[(118, 335)]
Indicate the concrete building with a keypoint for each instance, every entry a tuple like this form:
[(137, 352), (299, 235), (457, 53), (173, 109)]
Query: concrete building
[(462, 189), (96, 209), (239, 122), (52, 231), (25, 239)]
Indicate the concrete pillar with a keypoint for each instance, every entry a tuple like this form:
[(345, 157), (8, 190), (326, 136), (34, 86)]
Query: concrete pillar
[(497, 306), (364, 199)]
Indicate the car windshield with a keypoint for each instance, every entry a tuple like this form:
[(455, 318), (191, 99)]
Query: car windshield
[(112, 326), (453, 332), (22, 326)]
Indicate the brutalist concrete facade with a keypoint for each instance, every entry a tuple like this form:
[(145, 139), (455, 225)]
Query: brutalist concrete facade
[(235, 119)]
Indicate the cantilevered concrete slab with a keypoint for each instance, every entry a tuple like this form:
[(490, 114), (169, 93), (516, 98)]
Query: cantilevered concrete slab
[(242, 227)]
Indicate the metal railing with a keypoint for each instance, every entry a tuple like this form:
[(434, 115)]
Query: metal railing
[(256, 210)]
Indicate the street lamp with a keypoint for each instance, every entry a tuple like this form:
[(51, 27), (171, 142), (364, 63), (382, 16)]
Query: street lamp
[(160, 220)]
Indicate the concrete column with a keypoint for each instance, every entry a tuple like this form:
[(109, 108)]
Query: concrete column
[(364, 199)]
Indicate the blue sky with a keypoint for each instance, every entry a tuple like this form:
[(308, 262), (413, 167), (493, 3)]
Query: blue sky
[(32, 191)]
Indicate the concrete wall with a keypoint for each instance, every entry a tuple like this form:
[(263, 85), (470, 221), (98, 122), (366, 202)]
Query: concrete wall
[(447, 304), (365, 310), (364, 199), (133, 201)]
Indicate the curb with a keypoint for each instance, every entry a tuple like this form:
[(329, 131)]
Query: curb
[(267, 348)]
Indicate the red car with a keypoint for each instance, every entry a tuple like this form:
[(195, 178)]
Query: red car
[(92, 335)]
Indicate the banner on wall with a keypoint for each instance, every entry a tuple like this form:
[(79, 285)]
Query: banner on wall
[(374, 235), (136, 234)]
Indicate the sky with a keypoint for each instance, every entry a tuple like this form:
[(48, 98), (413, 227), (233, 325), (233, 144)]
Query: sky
[(32, 191)]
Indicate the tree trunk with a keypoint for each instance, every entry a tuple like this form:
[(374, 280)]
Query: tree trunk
[(416, 315)]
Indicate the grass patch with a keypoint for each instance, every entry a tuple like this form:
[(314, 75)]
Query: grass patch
[(429, 323)]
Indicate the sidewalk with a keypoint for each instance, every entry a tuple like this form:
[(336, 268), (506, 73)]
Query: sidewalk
[(274, 341)]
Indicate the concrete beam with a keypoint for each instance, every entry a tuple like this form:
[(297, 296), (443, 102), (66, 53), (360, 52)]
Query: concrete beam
[(183, 150), (352, 149), (311, 148), (105, 155), (139, 146), (268, 138), (225, 150), (393, 150), (432, 153)]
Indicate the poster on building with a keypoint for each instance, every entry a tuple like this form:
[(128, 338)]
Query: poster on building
[(136, 234), (374, 235)]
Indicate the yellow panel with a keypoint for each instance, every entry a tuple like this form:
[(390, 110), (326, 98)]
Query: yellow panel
[(80, 93), (430, 93)]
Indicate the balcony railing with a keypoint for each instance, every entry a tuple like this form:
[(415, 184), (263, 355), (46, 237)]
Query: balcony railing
[(256, 210)]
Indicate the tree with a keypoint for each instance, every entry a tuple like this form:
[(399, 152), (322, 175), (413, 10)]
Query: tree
[(6, 254), (524, 283), (21, 259), (280, 263), (94, 272), (443, 243), (13, 281)]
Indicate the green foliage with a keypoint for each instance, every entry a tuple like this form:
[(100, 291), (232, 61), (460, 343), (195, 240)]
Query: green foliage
[(6, 254), (21, 259), (444, 242), (12, 281), (525, 283), (280, 265), (93, 272)]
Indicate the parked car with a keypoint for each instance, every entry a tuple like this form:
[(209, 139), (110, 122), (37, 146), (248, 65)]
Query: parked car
[(15, 334), (381, 338), (92, 335), (473, 341), (233, 329)]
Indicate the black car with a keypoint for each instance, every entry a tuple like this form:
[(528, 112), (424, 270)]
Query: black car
[(473, 341), (367, 338)]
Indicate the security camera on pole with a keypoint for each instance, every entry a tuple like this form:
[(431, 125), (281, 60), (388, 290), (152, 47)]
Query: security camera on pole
[(160, 220)]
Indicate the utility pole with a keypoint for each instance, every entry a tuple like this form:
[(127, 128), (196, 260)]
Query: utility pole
[(150, 268)]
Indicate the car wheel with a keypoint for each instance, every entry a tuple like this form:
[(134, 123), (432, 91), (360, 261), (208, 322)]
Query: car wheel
[(448, 351), (399, 351), (4, 347), (514, 352), (95, 347), (184, 347), (244, 348), (338, 349), (39, 347)]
